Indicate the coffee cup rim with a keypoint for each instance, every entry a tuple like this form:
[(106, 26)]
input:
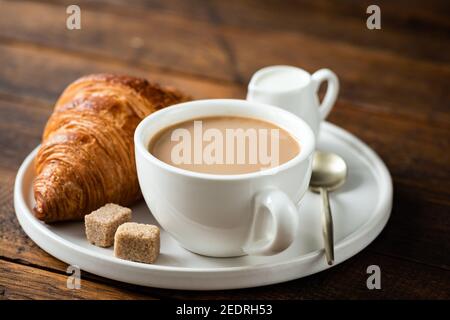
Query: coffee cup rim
[(307, 145)]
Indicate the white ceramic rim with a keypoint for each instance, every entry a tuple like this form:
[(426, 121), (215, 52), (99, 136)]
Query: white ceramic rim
[(206, 278), (307, 140), (252, 87)]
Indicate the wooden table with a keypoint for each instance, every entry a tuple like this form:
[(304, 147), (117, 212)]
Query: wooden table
[(394, 96)]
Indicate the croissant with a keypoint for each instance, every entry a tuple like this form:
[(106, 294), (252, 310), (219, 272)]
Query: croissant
[(86, 158)]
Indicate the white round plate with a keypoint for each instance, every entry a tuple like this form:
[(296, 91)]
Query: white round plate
[(360, 208)]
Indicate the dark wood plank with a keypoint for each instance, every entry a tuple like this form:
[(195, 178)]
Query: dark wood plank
[(376, 78), (412, 28), (399, 280), (22, 124), (429, 17), (418, 228), (42, 74), (41, 284), (149, 39), (346, 22)]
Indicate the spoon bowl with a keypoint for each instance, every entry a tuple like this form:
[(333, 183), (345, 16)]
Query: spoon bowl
[(329, 171)]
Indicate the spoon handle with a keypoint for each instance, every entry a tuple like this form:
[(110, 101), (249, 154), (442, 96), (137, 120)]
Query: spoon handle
[(327, 224)]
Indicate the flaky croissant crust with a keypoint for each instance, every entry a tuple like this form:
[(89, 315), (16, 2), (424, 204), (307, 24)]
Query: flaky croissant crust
[(87, 154)]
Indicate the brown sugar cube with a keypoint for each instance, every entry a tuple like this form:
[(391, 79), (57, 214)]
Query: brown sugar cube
[(101, 224), (137, 242)]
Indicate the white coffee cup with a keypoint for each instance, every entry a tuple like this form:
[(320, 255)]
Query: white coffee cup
[(225, 215)]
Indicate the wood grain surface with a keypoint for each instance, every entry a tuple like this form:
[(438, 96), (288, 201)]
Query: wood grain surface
[(394, 95)]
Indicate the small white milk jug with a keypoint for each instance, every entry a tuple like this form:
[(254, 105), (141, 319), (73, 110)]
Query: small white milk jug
[(295, 90)]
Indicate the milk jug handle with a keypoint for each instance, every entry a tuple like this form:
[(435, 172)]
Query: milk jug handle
[(332, 90)]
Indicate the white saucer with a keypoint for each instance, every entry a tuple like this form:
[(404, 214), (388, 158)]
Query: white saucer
[(360, 208)]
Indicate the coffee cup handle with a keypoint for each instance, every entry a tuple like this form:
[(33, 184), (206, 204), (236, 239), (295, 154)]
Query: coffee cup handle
[(266, 239), (332, 91)]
